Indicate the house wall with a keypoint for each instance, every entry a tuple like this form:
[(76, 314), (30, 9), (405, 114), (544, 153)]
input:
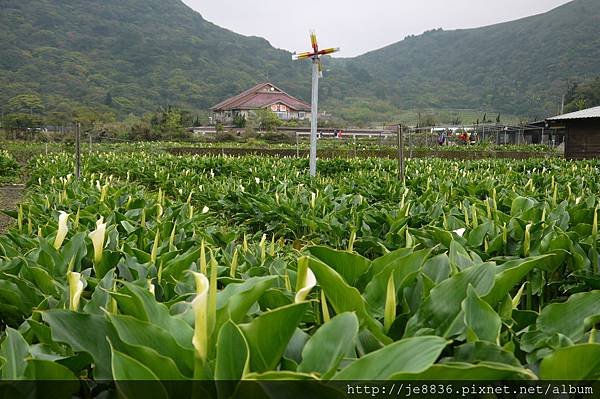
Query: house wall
[(583, 139), (283, 112)]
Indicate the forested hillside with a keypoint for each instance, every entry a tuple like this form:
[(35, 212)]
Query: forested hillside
[(108, 59)]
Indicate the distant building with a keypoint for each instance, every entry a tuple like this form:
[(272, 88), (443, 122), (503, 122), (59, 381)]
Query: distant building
[(582, 132), (262, 96)]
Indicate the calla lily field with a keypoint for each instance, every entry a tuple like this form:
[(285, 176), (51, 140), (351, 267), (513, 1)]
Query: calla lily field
[(154, 266)]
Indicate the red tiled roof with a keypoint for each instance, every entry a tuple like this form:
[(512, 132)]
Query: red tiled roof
[(261, 96)]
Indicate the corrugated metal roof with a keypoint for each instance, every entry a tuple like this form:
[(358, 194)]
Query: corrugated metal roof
[(260, 96), (583, 114)]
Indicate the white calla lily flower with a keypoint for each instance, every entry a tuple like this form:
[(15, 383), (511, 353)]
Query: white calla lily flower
[(460, 232), (97, 236), (307, 285), (75, 290), (63, 229), (200, 308)]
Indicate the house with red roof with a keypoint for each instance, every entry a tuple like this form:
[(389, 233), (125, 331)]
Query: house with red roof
[(262, 96)]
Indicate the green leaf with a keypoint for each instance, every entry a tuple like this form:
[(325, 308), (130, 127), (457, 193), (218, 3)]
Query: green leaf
[(268, 335), (345, 298), (520, 205), (45, 370), (455, 371), (234, 301), (141, 333), (14, 350), (573, 363), (233, 353), (481, 351), (349, 265), (84, 333), (410, 355), (164, 367), (480, 317), (126, 368), (404, 269), (569, 318), (327, 347), (459, 257), (511, 273), (442, 311), (437, 268), (140, 303)]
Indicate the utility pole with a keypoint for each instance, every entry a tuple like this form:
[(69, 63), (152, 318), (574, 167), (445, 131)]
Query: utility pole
[(78, 150), (314, 109), (562, 105), (315, 56), (400, 154)]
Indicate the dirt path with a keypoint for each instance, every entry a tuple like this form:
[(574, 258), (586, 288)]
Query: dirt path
[(10, 196)]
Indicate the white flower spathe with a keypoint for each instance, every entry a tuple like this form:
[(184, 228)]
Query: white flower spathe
[(97, 237), (63, 229), (460, 232)]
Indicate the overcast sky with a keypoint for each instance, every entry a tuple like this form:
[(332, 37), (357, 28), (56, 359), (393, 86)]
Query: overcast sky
[(358, 26)]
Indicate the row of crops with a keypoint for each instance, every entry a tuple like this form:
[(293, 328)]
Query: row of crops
[(9, 168), (157, 267)]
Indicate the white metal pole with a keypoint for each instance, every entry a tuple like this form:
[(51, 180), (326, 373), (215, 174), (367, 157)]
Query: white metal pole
[(314, 117)]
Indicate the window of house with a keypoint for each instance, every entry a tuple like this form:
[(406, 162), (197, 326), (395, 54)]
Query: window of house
[(301, 115)]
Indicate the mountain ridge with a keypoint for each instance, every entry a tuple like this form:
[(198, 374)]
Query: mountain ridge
[(144, 54)]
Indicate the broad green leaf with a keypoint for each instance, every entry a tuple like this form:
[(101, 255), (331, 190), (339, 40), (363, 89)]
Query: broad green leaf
[(45, 370), (349, 265), (459, 257), (442, 311), (268, 335), (164, 367), (569, 318), (345, 298), (573, 363), (437, 268), (455, 371), (174, 268), (234, 301), (510, 274), (481, 351), (410, 355), (84, 333), (281, 376), (140, 303), (141, 333), (328, 346), (404, 269), (233, 354), (126, 368), (480, 318), (520, 205), (14, 350)]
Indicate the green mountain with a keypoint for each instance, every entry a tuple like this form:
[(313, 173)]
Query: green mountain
[(132, 55), (116, 57), (521, 67)]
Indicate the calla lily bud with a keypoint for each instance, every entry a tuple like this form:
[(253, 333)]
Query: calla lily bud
[(200, 308), (75, 290), (61, 233), (306, 280), (263, 248), (97, 237), (527, 240), (390, 304)]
